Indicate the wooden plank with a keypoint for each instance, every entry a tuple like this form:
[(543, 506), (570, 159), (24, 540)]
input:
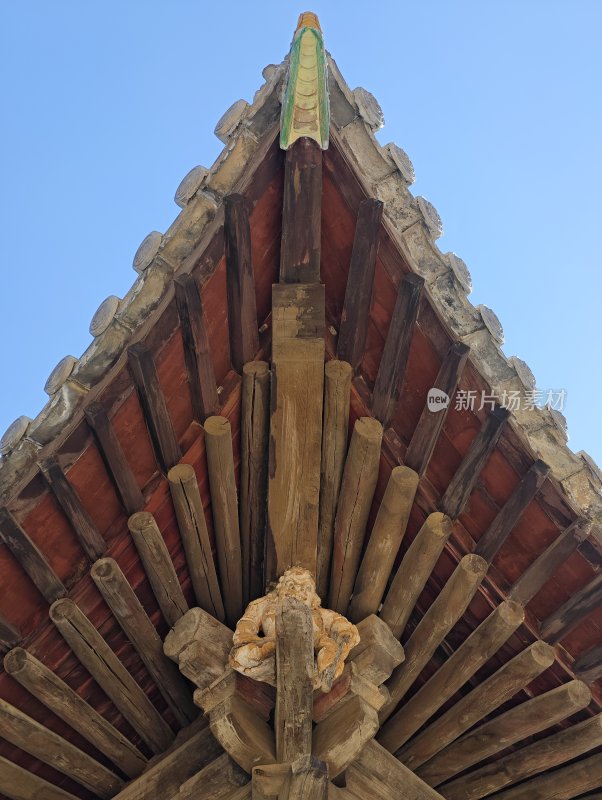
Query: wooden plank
[(544, 567), (307, 780), (355, 500), (200, 645), (197, 351), (160, 428), (335, 431), (562, 621), (341, 737), (475, 651), (40, 742), (110, 674), (254, 443), (378, 651), (295, 427), (17, 783), (220, 780), (513, 676), (90, 539), (430, 424), (301, 213), (195, 539), (465, 479), (135, 623), (158, 566), (240, 284), (224, 505), (393, 362), (532, 760), (60, 698), (115, 460), (358, 293), (384, 543), (9, 635), (30, 557), (508, 516), (378, 774), (437, 622), (414, 571), (294, 679), (565, 783), (520, 722), (588, 666), (164, 778)]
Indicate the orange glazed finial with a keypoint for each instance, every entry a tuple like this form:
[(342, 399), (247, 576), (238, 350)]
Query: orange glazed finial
[(308, 20)]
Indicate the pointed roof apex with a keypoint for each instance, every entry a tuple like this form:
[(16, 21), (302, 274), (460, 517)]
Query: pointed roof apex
[(306, 104), (308, 20)]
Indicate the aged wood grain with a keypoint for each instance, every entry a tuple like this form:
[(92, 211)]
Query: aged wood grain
[(360, 476)]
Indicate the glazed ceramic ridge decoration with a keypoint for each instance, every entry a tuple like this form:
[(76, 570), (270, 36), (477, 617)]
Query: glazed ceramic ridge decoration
[(306, 104), (254, 643)]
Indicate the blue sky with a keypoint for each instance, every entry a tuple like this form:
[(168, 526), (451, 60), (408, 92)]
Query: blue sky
[(108, 105)]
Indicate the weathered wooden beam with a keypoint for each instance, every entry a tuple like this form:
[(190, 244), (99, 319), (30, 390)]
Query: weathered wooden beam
[(197, 352), (360, 476), (296, 427), (430, 424), (437, 622), (40, 742), (294, 679), (475, 651), (242, 311), (378, 651), (335, 431), (588, 666), (254, 443), (200, 645), (222, 779), (17, 783), (117, 465), (462, 484), (378, 775), (30, 557), (9, 635), (384, 542), (414, 571), (307, 780), (135, 623), (60, 698), (527, 762), (224, 505), (158, 566), (515, 675), (301, 213), (185, 759), (242, 732), (508, 516), (89, 538), (195, 538), (340, 738), (358, 293), (565, 783), (352, 682), (393, 362), (110, 674), (160, 428), (520, 722), (545, 565), (562, 621)]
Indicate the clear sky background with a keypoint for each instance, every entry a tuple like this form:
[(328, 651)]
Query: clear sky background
[(106, 106)]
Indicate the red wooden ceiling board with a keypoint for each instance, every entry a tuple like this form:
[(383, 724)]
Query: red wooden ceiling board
[(266, 222), (130, 428)]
